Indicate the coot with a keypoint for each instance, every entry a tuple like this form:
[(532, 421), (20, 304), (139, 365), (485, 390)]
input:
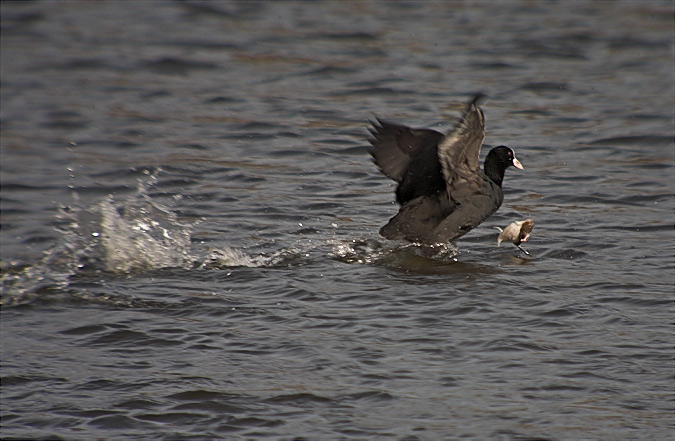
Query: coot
[(442, 191)]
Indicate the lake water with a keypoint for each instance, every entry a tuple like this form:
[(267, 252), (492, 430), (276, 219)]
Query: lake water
[(190, 217)]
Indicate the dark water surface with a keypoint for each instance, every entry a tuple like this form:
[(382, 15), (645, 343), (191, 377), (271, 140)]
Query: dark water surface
[(190, 216)]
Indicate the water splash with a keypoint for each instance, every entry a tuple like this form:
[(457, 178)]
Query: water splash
[(142, 235), (388, 252), (113, 236), (224, 258)]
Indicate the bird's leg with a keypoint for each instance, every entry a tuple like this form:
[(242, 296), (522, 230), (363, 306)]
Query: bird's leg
[(522, 249)]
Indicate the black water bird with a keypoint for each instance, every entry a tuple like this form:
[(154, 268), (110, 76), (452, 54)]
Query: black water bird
[(442, 191)]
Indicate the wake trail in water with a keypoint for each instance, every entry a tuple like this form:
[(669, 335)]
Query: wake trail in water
[(136, 234)]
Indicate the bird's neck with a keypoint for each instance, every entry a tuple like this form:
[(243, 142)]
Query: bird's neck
[(494, 171)]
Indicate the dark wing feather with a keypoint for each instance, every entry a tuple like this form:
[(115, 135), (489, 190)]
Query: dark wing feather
[(394, 145), (459, 153)]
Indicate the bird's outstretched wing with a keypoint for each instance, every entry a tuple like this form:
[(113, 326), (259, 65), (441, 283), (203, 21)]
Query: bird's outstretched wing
[(459, 152), (394, 145)]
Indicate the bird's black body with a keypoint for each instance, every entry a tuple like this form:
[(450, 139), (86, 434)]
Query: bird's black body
[(442, 191)]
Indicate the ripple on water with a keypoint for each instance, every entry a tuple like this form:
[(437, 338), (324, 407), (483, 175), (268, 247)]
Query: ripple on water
[(242, 291)]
